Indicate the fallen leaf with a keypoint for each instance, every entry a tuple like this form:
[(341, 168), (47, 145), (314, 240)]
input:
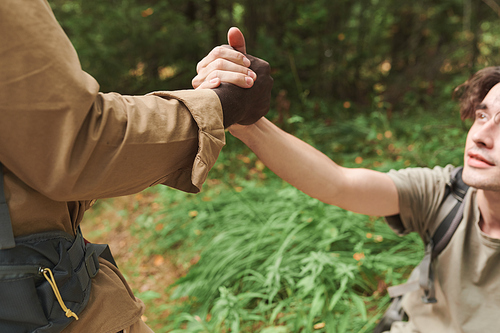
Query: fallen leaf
[(158, 260), (319, 326)]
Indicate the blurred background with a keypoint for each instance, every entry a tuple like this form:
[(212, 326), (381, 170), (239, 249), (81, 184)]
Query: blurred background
[(368, 82), (361, 51)]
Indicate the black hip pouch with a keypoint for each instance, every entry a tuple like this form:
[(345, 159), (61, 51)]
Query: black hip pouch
[(45, 278)]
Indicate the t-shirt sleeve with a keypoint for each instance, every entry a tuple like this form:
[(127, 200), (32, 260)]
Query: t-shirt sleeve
[(420, 192)]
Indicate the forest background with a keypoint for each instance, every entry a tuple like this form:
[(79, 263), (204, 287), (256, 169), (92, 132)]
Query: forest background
[(368, 82)]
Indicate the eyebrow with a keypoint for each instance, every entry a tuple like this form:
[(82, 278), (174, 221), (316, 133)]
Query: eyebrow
[(481, 106)]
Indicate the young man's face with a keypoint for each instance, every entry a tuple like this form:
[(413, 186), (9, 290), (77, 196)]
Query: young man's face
[(482, 148)]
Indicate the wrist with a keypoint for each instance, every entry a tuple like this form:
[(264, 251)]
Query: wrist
[(245, 132), (240, 131)]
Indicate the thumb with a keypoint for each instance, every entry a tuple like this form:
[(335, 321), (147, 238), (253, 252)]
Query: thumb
[(236, 39)]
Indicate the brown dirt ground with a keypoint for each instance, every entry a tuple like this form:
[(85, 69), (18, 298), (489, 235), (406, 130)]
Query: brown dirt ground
[(143, 272)]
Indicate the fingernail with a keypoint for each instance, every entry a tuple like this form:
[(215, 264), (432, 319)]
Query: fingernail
[(252, 74), (214, 80), (246, 62), (249, 81)]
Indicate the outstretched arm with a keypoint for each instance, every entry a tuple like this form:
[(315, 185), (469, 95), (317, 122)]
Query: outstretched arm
[(309, 170), (358, 190)]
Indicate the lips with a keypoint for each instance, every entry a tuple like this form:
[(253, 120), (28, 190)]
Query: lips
[(479, 161)]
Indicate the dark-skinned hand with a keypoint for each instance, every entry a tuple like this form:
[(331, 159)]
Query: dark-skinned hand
[(242, 82), (247, 105)]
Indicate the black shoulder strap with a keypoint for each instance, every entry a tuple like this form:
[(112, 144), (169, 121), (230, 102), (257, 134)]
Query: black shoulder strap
[(452, 206), (442, 235), (452, 210), (6, 233), (457, 189)]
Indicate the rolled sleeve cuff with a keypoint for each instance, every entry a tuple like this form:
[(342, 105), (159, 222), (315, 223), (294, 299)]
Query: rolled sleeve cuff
[(395, 222), (206, 110), (420, 192)]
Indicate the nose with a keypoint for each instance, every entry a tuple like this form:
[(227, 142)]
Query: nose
[(485, 135)]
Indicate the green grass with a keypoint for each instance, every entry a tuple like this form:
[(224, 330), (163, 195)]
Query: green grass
[(273, 257)]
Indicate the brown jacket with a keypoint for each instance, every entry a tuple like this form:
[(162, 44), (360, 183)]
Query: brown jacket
[(64, 144)]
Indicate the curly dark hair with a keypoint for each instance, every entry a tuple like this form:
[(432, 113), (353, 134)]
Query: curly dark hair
[(472, 92)]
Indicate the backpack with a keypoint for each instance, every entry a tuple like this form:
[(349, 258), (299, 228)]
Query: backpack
[(45, 278), (450, 214)]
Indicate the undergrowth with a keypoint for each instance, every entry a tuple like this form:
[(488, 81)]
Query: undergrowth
[(275, 260)]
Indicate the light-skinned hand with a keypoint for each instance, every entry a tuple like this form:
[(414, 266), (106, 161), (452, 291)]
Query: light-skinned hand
[(226, 63)]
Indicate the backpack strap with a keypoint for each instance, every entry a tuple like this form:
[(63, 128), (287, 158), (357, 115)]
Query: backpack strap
[(6, 233), (422, 277), (452, 207), (447, 228), (442, 235)]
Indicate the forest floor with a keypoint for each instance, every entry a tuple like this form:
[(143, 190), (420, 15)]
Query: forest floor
[(112, 223)]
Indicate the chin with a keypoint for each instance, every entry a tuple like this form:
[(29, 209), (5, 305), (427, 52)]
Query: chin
[(482, 179)]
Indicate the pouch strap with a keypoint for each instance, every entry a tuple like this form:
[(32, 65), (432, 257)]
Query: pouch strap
[(85, 258), (6, 233)]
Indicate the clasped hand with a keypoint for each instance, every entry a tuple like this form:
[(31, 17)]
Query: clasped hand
[(242, 82)]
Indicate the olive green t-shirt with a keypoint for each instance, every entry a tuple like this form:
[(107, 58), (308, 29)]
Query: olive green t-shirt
[(467, 270)]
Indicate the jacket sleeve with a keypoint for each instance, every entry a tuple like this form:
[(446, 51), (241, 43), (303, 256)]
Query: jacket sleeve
[(66, 140)]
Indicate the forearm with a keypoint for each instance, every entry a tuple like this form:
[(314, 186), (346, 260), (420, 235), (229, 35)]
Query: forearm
[(293, 160), (127, 143), (359, 190), (121, 145)]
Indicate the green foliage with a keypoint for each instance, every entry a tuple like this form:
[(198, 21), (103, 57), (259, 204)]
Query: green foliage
[(383, 52), (413, 137), (134, 47), (273, 257)]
